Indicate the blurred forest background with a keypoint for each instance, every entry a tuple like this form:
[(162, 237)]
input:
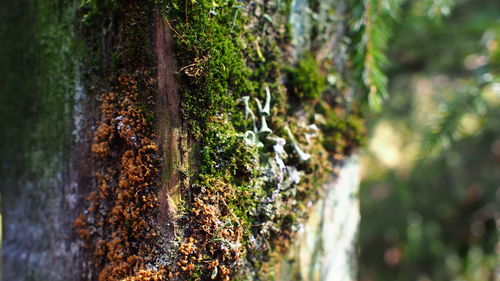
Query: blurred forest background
[(430, 199)]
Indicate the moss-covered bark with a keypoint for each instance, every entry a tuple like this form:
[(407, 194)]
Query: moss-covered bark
[(39, 169), (180, 140)]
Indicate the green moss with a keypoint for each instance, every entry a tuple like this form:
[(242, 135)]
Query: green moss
[(343, 131), (224, 153), (306, 81), (39, 72), (213, 70), (220, 61)]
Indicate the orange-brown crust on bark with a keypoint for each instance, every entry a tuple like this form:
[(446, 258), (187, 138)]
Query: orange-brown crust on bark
[(118, 225)]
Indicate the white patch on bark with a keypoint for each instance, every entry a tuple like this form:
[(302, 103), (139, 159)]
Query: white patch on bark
[(326, 242)]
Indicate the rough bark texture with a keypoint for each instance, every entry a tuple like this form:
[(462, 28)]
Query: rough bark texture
[(44, 170), (120, 164)]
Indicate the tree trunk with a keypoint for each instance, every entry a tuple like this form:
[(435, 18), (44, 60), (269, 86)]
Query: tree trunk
[(178, 140)]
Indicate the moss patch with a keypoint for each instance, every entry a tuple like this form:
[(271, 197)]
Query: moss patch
[(306, 80), (209, 35), (343, 130)]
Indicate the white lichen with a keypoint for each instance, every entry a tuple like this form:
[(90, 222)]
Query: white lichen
[(248, 111), (303, 157), (264, 129), (267, 106), (312, 131)]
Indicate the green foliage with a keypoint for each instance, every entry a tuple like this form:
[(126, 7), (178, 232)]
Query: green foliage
[(445, 129), (436, 232), (306, 80), (371, 27), (471, 101), (433, 219), (436, 10)]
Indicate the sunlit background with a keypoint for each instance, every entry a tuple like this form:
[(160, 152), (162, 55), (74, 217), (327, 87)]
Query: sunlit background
[(430, 193)]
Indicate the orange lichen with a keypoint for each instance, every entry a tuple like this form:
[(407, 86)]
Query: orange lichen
[(215, 243), (147, 275), (118, 227)]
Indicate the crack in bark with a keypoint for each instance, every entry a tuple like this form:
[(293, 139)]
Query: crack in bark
[(171, 126)]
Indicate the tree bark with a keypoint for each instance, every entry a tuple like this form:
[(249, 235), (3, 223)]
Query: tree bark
[(120, 164)]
